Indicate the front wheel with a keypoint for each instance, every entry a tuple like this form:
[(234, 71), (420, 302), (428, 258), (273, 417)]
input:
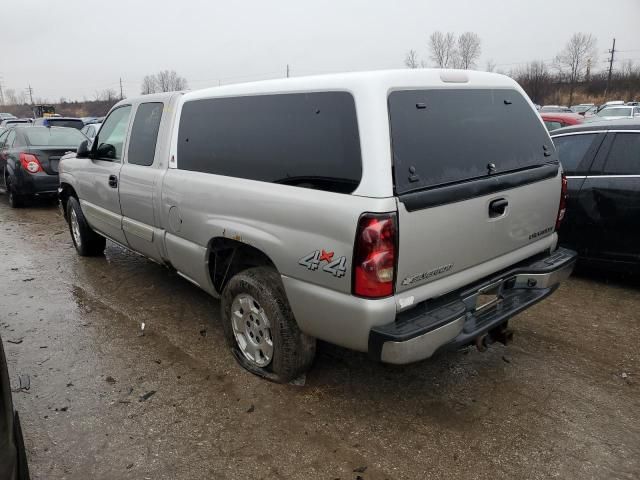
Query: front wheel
[(87, 242), (261, 329)]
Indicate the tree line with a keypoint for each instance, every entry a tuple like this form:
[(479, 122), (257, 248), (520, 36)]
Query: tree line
[(567, 79)]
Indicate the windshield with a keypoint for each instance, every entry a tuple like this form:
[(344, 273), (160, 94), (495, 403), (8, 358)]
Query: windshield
[(53, 137), (615, 112), (447, 136)]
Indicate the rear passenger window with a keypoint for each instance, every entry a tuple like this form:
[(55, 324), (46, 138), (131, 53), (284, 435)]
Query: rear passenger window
[(572, 150), (306, 140), (144, 134), (624, 156)]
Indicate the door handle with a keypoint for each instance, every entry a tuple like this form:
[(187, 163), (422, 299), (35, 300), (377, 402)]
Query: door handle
[(498, 207), (113, 181)]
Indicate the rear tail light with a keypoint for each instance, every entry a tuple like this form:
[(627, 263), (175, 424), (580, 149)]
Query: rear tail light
[(30, 162), (375, 255), (562, 208)]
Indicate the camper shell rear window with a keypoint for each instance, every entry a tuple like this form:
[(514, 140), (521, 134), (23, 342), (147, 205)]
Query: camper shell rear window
[(447, 136)]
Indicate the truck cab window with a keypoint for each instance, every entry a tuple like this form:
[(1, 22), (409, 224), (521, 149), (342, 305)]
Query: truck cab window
[(144, 134), (112, 135)]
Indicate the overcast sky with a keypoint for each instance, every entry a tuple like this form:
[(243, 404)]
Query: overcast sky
[(73, 48)]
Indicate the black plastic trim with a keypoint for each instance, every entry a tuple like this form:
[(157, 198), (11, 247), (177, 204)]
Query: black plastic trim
[(476, 188), (432, 314)]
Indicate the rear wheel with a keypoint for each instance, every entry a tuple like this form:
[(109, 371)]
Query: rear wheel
[(87, 242), (261, 329), (15, 200)]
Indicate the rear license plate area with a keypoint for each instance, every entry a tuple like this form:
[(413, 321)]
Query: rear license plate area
[(488, 296)]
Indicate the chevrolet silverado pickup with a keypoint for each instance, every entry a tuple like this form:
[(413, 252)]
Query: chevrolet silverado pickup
[(399, 213)]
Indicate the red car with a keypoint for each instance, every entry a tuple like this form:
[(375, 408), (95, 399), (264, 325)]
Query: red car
[(553, 120)]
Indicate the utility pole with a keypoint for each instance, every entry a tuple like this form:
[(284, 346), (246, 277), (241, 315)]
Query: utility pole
[(287, 70), (612, 52), (30, 93), (1, 93), (121, 94)]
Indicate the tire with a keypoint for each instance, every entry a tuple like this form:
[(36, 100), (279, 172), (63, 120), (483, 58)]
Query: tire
[(23, 464), (15, 200), (87, 242), (260, 290)]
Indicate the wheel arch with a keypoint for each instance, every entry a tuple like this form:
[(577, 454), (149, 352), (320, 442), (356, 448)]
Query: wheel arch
[(226, 257), (66, 191)]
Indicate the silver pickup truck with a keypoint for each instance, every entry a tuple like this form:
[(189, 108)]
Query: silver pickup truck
[(398, 213)]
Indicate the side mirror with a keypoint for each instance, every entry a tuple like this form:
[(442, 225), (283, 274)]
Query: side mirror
[(83, 149)]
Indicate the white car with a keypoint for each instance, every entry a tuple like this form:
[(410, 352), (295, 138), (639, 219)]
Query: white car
[(618, 112)]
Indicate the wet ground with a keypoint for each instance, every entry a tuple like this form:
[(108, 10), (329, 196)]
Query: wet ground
[(562, 401)]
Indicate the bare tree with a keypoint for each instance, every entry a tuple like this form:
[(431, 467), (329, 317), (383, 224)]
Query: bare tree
[(149, 85), (443, 49), (572, 61), (107, 95), (468, 50), (535, 79), (11, 97), (626, 70), (411, 60), (170, 81), (491, 66)]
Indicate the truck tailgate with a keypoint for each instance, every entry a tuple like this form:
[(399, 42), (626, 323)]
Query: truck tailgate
[(442, 240)]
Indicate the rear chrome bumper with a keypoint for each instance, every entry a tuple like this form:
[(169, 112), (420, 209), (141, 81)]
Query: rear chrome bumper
[(458, 319)]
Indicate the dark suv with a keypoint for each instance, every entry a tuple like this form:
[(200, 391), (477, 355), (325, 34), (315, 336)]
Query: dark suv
[(602, 164)]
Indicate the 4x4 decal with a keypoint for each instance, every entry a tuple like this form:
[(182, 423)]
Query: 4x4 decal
[(335, 267)]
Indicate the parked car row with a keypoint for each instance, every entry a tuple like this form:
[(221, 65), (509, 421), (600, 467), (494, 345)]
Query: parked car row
[(555, 116), (586, 109), (7, 120)]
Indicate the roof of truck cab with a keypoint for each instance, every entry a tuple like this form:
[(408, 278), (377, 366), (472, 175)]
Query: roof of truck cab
[(150, 98), (381, 79), (621, 124)]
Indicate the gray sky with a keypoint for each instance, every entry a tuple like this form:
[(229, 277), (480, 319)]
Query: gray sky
[(72, 48)]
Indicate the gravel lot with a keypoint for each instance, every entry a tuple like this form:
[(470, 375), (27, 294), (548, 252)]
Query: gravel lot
[(562, 401)]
